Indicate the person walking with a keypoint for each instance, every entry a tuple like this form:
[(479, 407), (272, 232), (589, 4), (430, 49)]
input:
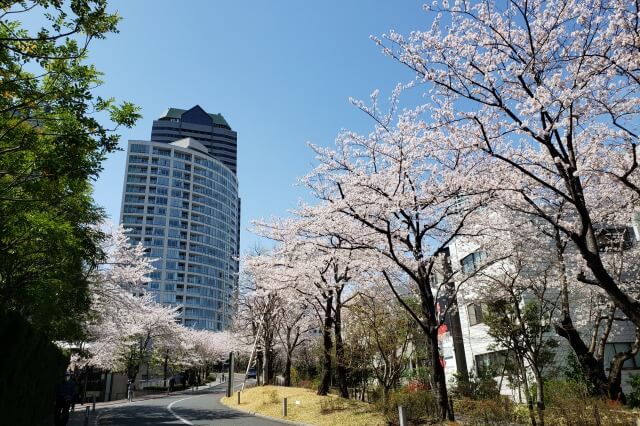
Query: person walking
[(130, 388), (65, 395)]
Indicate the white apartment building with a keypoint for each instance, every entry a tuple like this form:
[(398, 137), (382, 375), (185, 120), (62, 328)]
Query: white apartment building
[(182, 203), (479, 346)]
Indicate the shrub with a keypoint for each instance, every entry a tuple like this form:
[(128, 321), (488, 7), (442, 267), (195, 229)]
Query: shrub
[(495, 411), (375, 394), (558, 392), (420, 374), (295, 377), (416, 385), (307, 384), (420, 406), (574, 373), (269, 396), (588, 412), (31, 367), (633, 398), (521, 414), (329, 404), (476, 387), (211, 377)]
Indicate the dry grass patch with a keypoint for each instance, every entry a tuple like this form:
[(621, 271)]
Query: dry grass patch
[(306, 407)]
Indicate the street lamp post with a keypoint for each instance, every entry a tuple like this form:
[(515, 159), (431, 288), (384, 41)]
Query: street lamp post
[(166, 359), (230, 383)]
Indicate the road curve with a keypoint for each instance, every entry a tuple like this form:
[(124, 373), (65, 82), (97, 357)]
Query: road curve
[(199, 408)]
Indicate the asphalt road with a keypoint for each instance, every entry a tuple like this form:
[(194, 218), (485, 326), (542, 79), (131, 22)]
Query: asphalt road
[(198, 408)]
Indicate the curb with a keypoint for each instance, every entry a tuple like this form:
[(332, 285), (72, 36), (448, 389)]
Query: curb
[(262, 416)]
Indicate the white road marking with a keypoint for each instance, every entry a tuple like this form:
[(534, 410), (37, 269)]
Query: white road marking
[(183, 420)]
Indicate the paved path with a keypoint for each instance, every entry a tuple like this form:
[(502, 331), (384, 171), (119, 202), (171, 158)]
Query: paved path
[(201, 407)]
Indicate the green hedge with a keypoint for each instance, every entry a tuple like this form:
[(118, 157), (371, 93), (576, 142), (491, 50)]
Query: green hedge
[(30, 368)]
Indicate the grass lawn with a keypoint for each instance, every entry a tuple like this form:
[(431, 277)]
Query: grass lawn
[(306, 407)]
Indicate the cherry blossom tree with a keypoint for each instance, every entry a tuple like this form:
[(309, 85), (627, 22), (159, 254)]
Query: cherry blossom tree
[(201, 349), (273, 314), (128, 327), (257, 320), (296, 323), (125, 334), (127, 324), (541, 264), (546, 94), (310, 264), (127, 266), (395, 199)]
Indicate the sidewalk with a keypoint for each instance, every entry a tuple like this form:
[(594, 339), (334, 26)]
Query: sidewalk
[(77, 418)]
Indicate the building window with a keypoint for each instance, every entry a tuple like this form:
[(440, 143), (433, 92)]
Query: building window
[(475, 312), (161, 151), (491, 363), (614, 238), (182, 156), (161, 161), (138, 159), (140, 148), (471, 262)]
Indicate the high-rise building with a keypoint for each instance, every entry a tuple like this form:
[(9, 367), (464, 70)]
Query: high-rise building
[(212, 130), (180, 199)]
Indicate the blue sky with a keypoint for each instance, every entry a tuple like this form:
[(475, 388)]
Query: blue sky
[(281, 73)]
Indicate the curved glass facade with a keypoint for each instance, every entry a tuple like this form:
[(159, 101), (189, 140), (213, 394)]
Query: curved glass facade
[(183, 205)]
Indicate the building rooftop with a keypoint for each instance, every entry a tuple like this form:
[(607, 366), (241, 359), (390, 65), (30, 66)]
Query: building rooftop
[(177, 113), (192, 144)]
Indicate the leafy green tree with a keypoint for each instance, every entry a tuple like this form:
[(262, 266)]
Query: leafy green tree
[(52, 144), (522, 327), (383, 333)]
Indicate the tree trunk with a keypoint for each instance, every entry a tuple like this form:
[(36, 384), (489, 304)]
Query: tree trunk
[(340, 364), (615, 392), (287, 371), (540, 407), (439, 380), (624, 302), (132, 370), (327, 345), (593, 370), (527, 392), (266, 366), (364, 389), (386, 391), (259, 363)]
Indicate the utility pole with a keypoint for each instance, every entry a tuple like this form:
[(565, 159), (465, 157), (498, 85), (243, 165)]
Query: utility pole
[(454, 319)]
